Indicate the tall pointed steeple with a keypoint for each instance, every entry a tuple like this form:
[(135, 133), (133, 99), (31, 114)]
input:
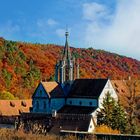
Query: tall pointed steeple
[(66, 54), (66, 69)]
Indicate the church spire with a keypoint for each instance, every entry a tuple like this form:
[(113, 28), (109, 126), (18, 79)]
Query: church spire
[(66, 54), (66, 69)]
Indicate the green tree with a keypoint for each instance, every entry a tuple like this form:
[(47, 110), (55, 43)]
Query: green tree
[(31, 76), (5, 95), (7, 76), (52, 78), (119, 118), (105, 114), (112, 114)]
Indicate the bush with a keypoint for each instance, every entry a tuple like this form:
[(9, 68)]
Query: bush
[(9, 134), (7, 96), (106, 129)]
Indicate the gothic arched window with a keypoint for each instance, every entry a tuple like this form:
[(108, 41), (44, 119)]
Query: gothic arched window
[(37, 104), (40, 92), (67, 73), (44, 105)]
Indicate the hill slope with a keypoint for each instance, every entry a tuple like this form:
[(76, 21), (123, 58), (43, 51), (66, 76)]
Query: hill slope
[(22, 65)]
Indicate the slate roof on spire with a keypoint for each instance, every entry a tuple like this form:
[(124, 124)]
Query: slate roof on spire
[(66, 54)]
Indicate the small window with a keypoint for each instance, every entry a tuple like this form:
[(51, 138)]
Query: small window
[(37, 104), (117, 90), (12, 104), (90, 103), (23, 103), (70, 102), (40, 92), (90, 126), (80, 103), (44, 105), (122, 90), (54, 103), (20, 111), (116, 85)]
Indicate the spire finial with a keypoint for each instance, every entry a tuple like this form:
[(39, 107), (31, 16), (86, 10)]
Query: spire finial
[(66, 54), (66, 33), (66, 28)]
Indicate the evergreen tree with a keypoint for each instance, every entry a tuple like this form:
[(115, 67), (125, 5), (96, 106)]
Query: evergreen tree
[(105, 114), (112, 114), (119, 118)]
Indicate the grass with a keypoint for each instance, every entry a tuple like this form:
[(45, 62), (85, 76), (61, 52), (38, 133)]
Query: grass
[(10, 134)]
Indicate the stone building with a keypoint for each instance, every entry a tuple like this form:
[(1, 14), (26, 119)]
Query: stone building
[(73, 101)]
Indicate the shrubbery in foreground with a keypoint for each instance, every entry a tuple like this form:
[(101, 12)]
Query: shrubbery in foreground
[(9, 134)]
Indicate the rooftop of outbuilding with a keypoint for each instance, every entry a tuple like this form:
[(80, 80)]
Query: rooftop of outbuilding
[(14, 107), (72, 109)]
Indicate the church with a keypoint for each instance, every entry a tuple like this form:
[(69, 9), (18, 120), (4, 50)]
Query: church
[(73, 101)]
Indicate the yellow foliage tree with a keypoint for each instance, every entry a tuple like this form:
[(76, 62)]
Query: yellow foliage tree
[(105, 129)]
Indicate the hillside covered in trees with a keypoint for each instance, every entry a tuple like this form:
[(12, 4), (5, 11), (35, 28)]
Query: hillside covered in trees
[(23, 65)]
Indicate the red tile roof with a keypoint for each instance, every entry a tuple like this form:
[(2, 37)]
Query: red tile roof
[(123, 90), (14, 107)]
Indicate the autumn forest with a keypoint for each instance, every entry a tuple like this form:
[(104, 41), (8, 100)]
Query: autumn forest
[(23, 65)]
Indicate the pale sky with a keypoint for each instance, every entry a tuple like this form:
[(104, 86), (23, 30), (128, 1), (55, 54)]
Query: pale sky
[(111, 25)]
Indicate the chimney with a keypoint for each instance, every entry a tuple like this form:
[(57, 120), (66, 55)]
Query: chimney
[(129, 78)]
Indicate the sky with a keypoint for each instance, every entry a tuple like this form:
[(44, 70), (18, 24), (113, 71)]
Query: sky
[(111, 25)]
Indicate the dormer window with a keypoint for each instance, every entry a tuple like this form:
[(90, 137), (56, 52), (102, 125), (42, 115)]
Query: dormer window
[(90, 103), (80, 103), (23, 103), (90, 126)]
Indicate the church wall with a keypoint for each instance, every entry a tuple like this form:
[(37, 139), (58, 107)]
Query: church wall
[(82, 102), (56, 104), (40, 100), (41, 105), (94, 115), (91, 126), (46, 105), (108, 88), (40, 92)]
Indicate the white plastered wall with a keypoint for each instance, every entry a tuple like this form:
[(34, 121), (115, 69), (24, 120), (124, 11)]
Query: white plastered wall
[(91, 126)]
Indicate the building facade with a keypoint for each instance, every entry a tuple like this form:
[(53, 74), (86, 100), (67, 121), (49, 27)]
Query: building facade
[(70, 98)]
